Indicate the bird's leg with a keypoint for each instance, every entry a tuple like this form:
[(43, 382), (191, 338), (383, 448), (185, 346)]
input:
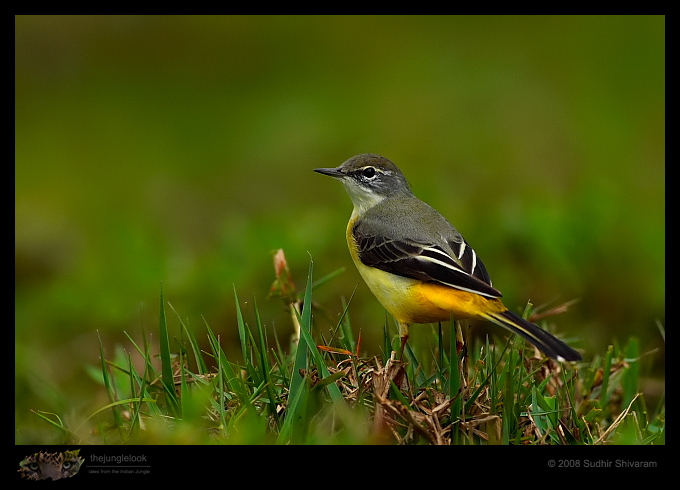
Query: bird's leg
[(460, 341), (460, 349), (403, 334)]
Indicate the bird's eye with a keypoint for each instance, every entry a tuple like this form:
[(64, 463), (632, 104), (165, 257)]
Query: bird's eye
[(369, 172)]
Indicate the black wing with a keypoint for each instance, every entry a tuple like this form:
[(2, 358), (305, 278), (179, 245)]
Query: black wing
[(426, 262)]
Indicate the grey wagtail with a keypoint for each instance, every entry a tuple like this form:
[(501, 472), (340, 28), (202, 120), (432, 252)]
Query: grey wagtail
[(416, 263)]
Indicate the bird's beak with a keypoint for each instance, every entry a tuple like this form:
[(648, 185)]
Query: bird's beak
[(333, 172)]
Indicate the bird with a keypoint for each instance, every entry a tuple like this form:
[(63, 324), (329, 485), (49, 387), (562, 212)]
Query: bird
[(418, 266)]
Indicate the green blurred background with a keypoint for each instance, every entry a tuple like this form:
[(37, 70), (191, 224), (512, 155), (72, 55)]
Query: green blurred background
[(180, 149)]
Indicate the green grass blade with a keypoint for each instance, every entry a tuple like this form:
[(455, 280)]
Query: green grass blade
[(108, 384), (333, 389), (221, 363), (509, 419), (606, 370), (118, 403), (305, 323), (134, 380), (415, 365), (264, 364), (294, 426), (241, 328), (387, 341), (184, 389), (59, 425), (544, 412), (398, 395), (200, 362), (630, 377), (454, 376), (166, 363), (256, 377), (231, 380), (324, 279), (346, 337)]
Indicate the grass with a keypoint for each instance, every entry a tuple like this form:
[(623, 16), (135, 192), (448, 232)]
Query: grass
[(322, 391)]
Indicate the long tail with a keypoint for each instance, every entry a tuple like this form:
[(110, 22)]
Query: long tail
[(547, 343)]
